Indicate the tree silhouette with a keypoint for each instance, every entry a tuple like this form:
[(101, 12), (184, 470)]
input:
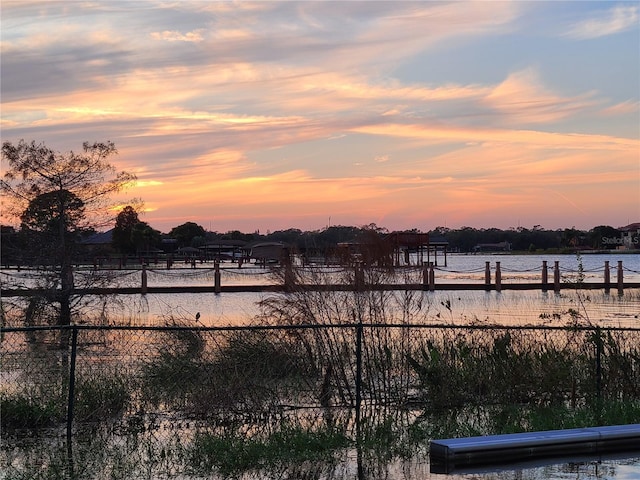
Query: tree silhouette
[(57, 196), (126, 221)]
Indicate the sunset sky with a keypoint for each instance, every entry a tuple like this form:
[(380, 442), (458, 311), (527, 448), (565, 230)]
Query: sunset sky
[(272, 115)]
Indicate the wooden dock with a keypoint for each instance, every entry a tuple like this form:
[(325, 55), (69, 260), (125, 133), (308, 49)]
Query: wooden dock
[(493, 281)]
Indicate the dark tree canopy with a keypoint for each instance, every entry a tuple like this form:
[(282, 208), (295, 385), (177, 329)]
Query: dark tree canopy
[(602, 235), (34, 169), (55, 196), (144, 237), (186, 232), (49, 212), (126, 221)]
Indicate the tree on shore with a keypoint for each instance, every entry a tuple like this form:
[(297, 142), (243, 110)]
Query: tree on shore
[(58, 197), (186, 233), (121, 239)]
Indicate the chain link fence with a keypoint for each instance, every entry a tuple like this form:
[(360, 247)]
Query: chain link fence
[(149, 401)]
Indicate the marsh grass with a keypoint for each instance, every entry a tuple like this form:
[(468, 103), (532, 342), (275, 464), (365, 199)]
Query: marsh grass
[(290, 444), (101, 397), (228, 371), (503, 419), (96, 454), (20, 411)]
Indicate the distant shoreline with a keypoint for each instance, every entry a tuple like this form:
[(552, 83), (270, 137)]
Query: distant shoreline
[(552, 251)]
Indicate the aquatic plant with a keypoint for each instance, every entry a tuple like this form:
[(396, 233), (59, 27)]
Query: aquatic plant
[(248, 369), (101, 396), (20, 411), (231, 453)]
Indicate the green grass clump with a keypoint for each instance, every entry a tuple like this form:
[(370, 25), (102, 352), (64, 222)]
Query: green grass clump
[(22, 411), (234, 453), (592, 415), (100, 397), (246, 369)]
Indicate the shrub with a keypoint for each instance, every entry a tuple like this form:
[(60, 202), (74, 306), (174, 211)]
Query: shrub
[(100, 397), (233, 453), (21, 411)]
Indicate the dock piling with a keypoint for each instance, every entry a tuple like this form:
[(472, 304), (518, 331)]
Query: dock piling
[(620, 279), (216, 276), (143, 289), (487, 275), (432, 278)]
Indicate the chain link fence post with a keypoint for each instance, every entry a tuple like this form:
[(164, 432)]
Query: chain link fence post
[(71, 397), (358, 376)]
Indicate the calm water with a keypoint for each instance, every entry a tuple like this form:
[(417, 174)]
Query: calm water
[(417, 468), (506, 307)]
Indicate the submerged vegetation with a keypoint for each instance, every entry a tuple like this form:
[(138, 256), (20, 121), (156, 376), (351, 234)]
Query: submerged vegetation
[(321, 378), (290, 444)]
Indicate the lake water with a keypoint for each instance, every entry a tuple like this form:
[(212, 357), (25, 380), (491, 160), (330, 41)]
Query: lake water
[(506, 307)]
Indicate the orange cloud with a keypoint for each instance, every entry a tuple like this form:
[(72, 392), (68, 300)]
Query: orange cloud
[(522, 98)]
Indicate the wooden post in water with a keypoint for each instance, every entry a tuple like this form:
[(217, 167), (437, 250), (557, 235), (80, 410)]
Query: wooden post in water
[(143, 290), (545, 276), (556, 276), (607, 277), (498, 278), (425, 276), (216, 276), (289, 276), (359, 277), (620, 279), (432, 278), (487, 276)]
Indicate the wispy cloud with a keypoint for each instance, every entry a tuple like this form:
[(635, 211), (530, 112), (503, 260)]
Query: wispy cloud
[(523, 98), (622, 108), (175, 36), (615, 20)]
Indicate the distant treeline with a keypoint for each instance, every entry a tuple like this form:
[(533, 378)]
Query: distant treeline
[(465, 239), (15, 244)]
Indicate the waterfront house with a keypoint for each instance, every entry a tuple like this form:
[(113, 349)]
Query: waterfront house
[(630, 236)]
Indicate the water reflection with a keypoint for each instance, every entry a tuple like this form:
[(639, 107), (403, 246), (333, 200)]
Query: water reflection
[(505, 308), (355, 466), (614, 466)]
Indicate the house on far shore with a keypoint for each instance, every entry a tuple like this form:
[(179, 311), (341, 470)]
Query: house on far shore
[(630, 236), (267, 252), (99, 244)]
